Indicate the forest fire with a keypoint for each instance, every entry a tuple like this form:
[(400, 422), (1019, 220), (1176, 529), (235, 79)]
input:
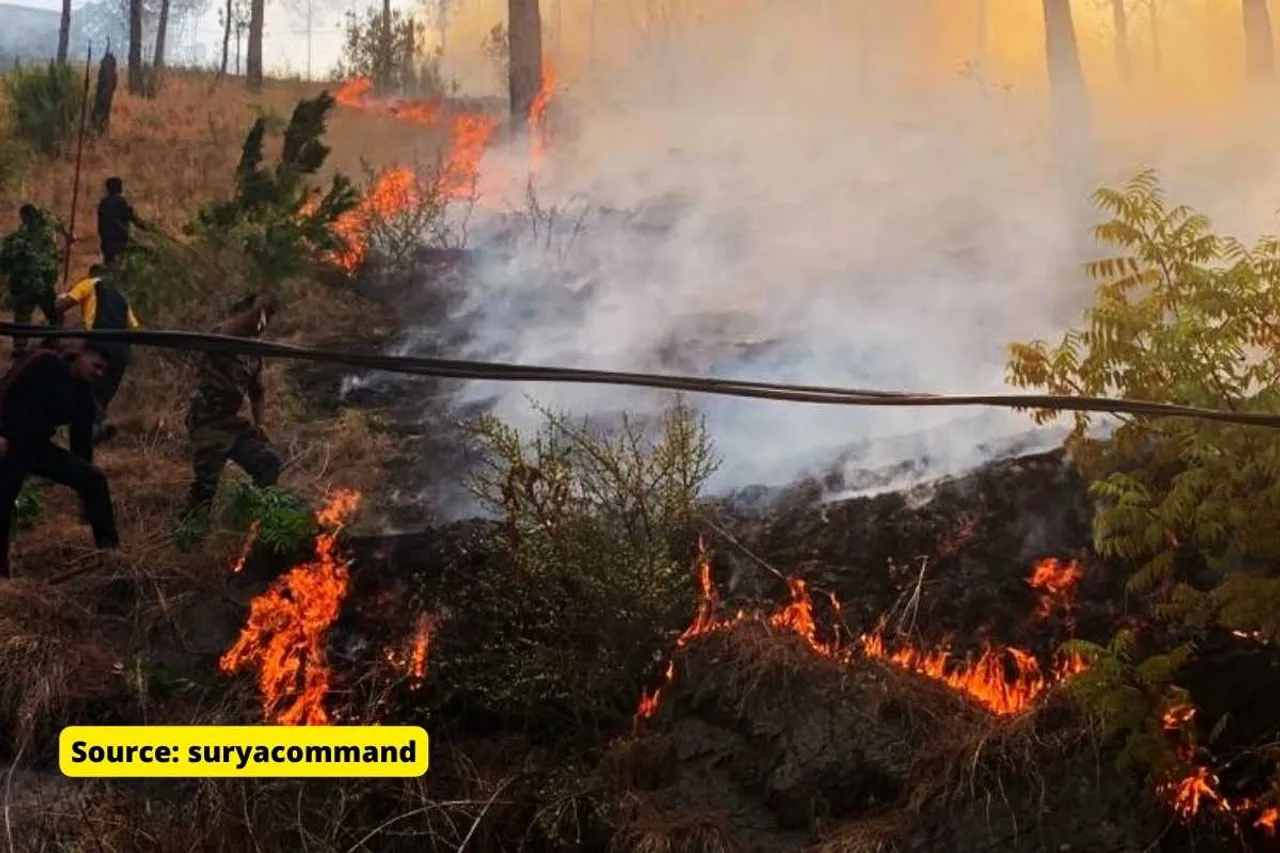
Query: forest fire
[(1056, 582), (286, 633), (413, 660), (539, 131), (1198, 791), (250, 537), (399, 188), (986, 680)]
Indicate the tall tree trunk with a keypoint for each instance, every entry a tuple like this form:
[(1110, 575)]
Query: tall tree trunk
[(1259, 52), (105, 94), (1066, 81), (226, 41), (253, 62), (1120, 24), (310, 28), (64, 32), (1157, 55), (982, 42), (135, 47), (524, 34), (442, 23), (157, 58)]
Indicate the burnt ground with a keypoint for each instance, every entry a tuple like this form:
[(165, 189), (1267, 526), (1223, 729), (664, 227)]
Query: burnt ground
[(765, 744), (762, 745)]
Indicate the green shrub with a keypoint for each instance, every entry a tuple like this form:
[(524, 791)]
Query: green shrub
[(43, 105), (284, 521), (273, 233), (595, 583), (277, 220), (1181, 316)]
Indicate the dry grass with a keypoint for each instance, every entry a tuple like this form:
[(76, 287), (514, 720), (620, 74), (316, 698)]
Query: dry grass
[(52, 662), (649, 828), (874, 835), (175, 153), (180, 149)]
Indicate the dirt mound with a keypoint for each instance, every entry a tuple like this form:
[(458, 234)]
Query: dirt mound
[(795, 749), (967, 544)]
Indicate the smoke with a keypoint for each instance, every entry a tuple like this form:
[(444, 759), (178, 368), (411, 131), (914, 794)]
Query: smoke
[(801, 205)]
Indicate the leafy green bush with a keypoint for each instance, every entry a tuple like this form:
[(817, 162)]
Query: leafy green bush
[(277, 220), (596, 584), (43, 105), (1181, 316), (272, 233), (284, 521)]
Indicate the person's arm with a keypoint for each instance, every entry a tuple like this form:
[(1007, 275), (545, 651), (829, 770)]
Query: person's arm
[(257, 398), (22, 409), (73, 297), (132, 320), (131, 216)]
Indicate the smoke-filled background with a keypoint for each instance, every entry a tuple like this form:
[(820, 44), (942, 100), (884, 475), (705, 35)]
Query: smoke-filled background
[(859, 194)]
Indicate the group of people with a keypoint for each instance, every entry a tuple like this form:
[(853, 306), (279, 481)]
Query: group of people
[(71, 382)]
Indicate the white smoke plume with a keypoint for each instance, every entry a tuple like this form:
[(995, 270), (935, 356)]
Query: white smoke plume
[(742, 204)]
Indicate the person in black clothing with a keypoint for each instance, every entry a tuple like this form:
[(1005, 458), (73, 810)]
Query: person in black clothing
[(47, 389), (115, 215)]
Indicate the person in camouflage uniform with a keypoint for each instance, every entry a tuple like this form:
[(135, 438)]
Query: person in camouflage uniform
[(29, 260), (217, 430)]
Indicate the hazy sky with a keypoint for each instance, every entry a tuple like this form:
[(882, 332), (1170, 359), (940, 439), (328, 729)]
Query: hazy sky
[(285, 40)]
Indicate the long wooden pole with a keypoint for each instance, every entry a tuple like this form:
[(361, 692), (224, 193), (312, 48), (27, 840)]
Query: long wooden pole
[(75, 186)]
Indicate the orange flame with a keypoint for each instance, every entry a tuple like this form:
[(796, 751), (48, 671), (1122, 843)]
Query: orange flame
[(1198, 790), (1188, 794), (539, 132), (250, 537), (411, 658), (421, 647), (986, 680), (398, 188), (1056, 582), (287, 629)]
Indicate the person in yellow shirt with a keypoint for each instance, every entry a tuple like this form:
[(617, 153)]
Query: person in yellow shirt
[(103, 306)]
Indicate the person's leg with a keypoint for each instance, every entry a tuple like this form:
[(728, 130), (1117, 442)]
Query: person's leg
[(12, 476), (22, 311), (48, 305), (209, 449), (62, 466), (257, 457), (104, 391)]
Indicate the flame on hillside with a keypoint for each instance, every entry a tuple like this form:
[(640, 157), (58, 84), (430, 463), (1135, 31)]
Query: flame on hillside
[(539, 129), (1003, 680), (399, 188), (1056, 582), (286, 634), (1197, 791), (246, 547), (412, 660)]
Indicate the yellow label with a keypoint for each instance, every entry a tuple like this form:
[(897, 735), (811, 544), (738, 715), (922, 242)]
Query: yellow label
[(191, 751)]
